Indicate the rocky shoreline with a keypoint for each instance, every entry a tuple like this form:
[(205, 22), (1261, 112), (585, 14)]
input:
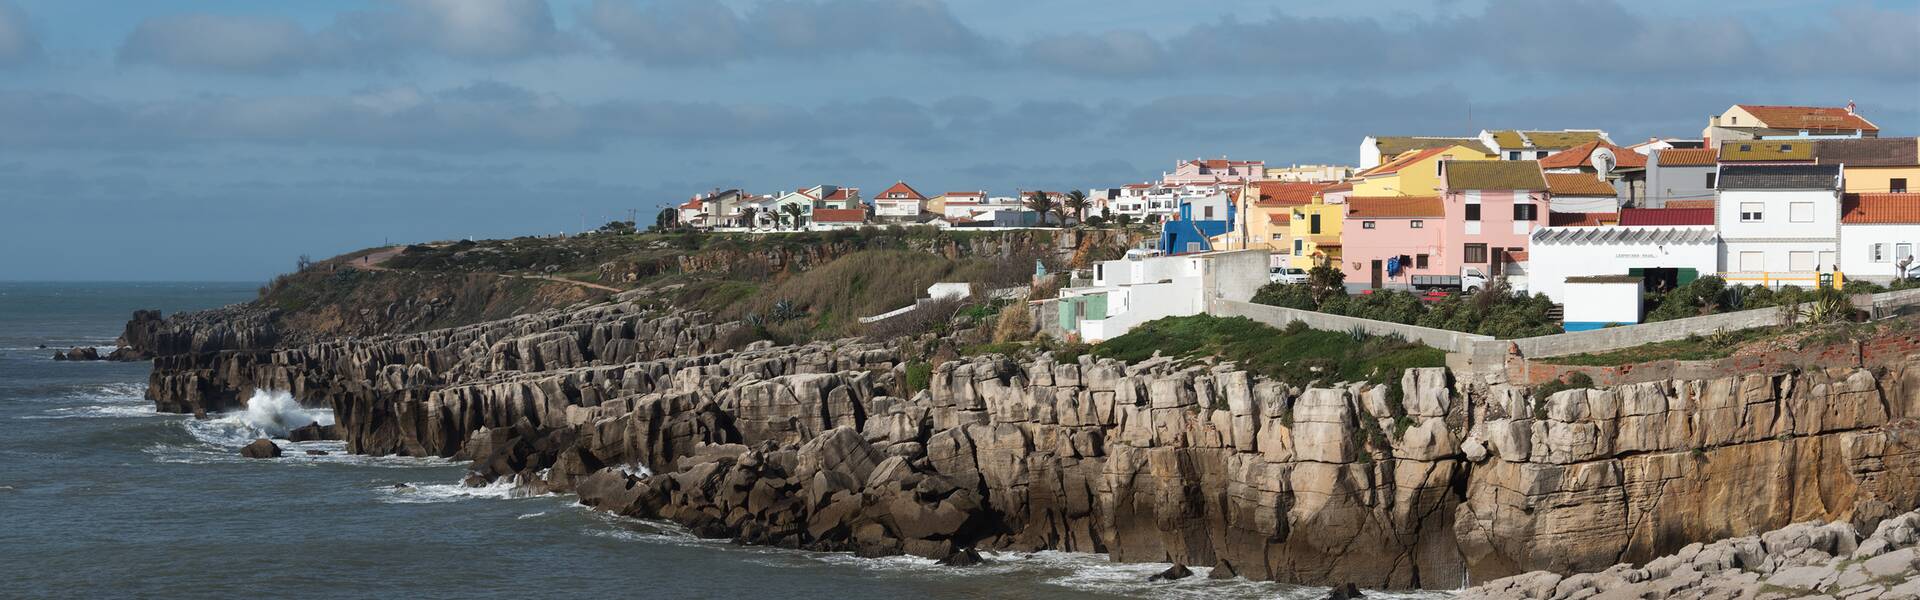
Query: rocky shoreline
[(1438, 481)]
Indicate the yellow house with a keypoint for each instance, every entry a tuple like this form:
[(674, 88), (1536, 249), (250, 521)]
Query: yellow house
[(1875, 165), (1314, 228), (1413, 173), (1267, 207)]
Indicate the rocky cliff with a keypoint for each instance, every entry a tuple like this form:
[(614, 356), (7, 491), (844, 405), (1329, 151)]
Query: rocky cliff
[(1432, 482)]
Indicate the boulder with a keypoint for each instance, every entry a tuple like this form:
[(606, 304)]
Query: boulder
[(1346, 591), (314, 432), (1177, 571), (964, 557), (261, 448)]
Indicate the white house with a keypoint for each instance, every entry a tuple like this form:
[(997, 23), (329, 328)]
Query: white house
[(1137, 289), (1664, 256), (1779, 224), (1877, 231), (898, 201)]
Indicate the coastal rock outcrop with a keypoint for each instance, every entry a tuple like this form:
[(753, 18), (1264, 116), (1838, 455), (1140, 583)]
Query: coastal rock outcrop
[(1427, 481), (261, 448)]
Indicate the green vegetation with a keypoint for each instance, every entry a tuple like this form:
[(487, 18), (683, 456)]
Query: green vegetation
[(1572, 381), (1298, 357), (1717, 345), (919, 376), (1495, 311), (1710, 295)]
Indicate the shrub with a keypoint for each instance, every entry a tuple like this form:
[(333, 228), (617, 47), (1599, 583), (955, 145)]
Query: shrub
[(1014, 324), (919, 376), (1571, 381)]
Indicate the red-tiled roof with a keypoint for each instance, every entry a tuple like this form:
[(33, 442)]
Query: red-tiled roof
[(1388, 207), (1406, 159), (839, 215), (1286, 193), (1706, 204), (1578, 184), (1667, 217), (970, 194), (1884, 208), (693, 204), (842, 193), (1687, 157), (1806, 117), (1581, 156), (1580, 219), (1280, 218), (900, 187)]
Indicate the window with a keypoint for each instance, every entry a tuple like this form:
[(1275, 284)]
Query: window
[(1525, 212), (1515, 155), (1476, 253), (1420, 261), (1746, 147), (1100, 271), (1313, 224), (1473, 212), (1800, 212), (1416, 224), (1902, 251), (1897, 185), (1710, 177), (1276, 237), (1786, 147), (1207, 213), (1877, 252), (1366, 224), (1752, 212), (1297, 247), (1753, 261), (1800, 261)]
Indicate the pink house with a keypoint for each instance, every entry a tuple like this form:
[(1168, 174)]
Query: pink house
[(1213, 171), (1492, 208), (1387, 239)]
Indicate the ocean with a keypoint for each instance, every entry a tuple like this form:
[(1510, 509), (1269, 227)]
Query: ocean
[(104, 498)]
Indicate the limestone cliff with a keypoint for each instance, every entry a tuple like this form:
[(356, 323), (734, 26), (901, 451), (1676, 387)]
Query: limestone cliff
[(1433, 482)]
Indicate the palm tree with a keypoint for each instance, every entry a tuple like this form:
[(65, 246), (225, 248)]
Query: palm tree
[(1077, 202), (795, 212), (746, 216), (1041, 202)]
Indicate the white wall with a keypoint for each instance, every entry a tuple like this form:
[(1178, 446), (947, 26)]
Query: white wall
[(1602, 302), (1776, 218), (1549, 265), (1856, 249)]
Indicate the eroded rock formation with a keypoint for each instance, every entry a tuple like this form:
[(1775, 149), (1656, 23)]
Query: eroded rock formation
[(1433, 481)]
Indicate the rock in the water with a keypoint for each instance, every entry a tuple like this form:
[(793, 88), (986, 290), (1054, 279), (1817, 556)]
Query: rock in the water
[(1222, 570), (316, 453), (964, 557), (314, 432), (1345, 592), (261, 448), (78, 353), (1177, 571)]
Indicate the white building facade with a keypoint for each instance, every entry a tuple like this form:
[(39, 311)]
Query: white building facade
[(1676, 254), (1779, 224), (1131, 291), (1877, 232)]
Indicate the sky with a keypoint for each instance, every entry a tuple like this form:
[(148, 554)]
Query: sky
[(222, 139)]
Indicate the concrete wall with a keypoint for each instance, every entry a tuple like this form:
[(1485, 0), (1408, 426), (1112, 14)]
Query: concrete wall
[(1275, 316)]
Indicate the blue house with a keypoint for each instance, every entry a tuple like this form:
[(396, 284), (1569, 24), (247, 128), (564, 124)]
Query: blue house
[(1201, 218)]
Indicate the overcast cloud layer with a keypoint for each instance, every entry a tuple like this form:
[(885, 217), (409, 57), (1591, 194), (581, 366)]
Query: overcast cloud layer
[(186, 139)]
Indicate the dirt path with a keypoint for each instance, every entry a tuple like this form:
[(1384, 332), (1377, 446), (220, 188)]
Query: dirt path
[(377, 262)]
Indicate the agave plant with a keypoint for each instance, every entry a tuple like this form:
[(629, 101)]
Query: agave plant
[(786, 310)]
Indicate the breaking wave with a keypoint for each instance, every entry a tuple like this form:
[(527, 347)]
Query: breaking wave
[(269, 414), (432, 493)]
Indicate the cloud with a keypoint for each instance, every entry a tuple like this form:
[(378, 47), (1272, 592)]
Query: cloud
[(1111, 53), (479, 31), (19, 44), (688, 33)]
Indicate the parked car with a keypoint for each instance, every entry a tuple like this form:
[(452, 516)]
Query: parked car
[(1287, 275)]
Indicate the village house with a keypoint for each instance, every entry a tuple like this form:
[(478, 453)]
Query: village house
[(1779, 224), (717, 208), (838, 198), (1414, 173), (1621, 168), (1268, 210), (1492, 208), (1201, 220), (1214, 171), (1681, 177), (1765, 122), (1874, 165), (898, 202), (829, 219), (1387, 239), (1127, 292), (1877, 233), (1664, 248), (1314, 227), (1509, 144)]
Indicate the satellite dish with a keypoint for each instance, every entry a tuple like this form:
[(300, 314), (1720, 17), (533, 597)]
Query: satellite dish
[(1604, 161)]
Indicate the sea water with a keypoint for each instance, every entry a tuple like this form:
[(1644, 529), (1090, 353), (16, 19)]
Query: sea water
[(102, 497)]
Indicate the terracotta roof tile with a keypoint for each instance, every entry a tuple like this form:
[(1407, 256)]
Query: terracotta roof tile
[(901, 187), (1580, 219), (1649, 217), (1686, 157), (1582, 155), (1389, 207), (1578, 184), (1808, 117), (1280, 218), (1882, 208), (1766, 150), (1494, 175), (1705, 203), (1405, 160), (1286, 193)]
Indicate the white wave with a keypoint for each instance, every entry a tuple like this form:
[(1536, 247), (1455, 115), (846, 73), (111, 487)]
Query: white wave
[(532, 515), (98, 411), (432, 493), (634, 470), (269, 414)]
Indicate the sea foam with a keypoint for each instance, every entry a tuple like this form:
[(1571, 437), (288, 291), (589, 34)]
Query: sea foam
[(269, 414)]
